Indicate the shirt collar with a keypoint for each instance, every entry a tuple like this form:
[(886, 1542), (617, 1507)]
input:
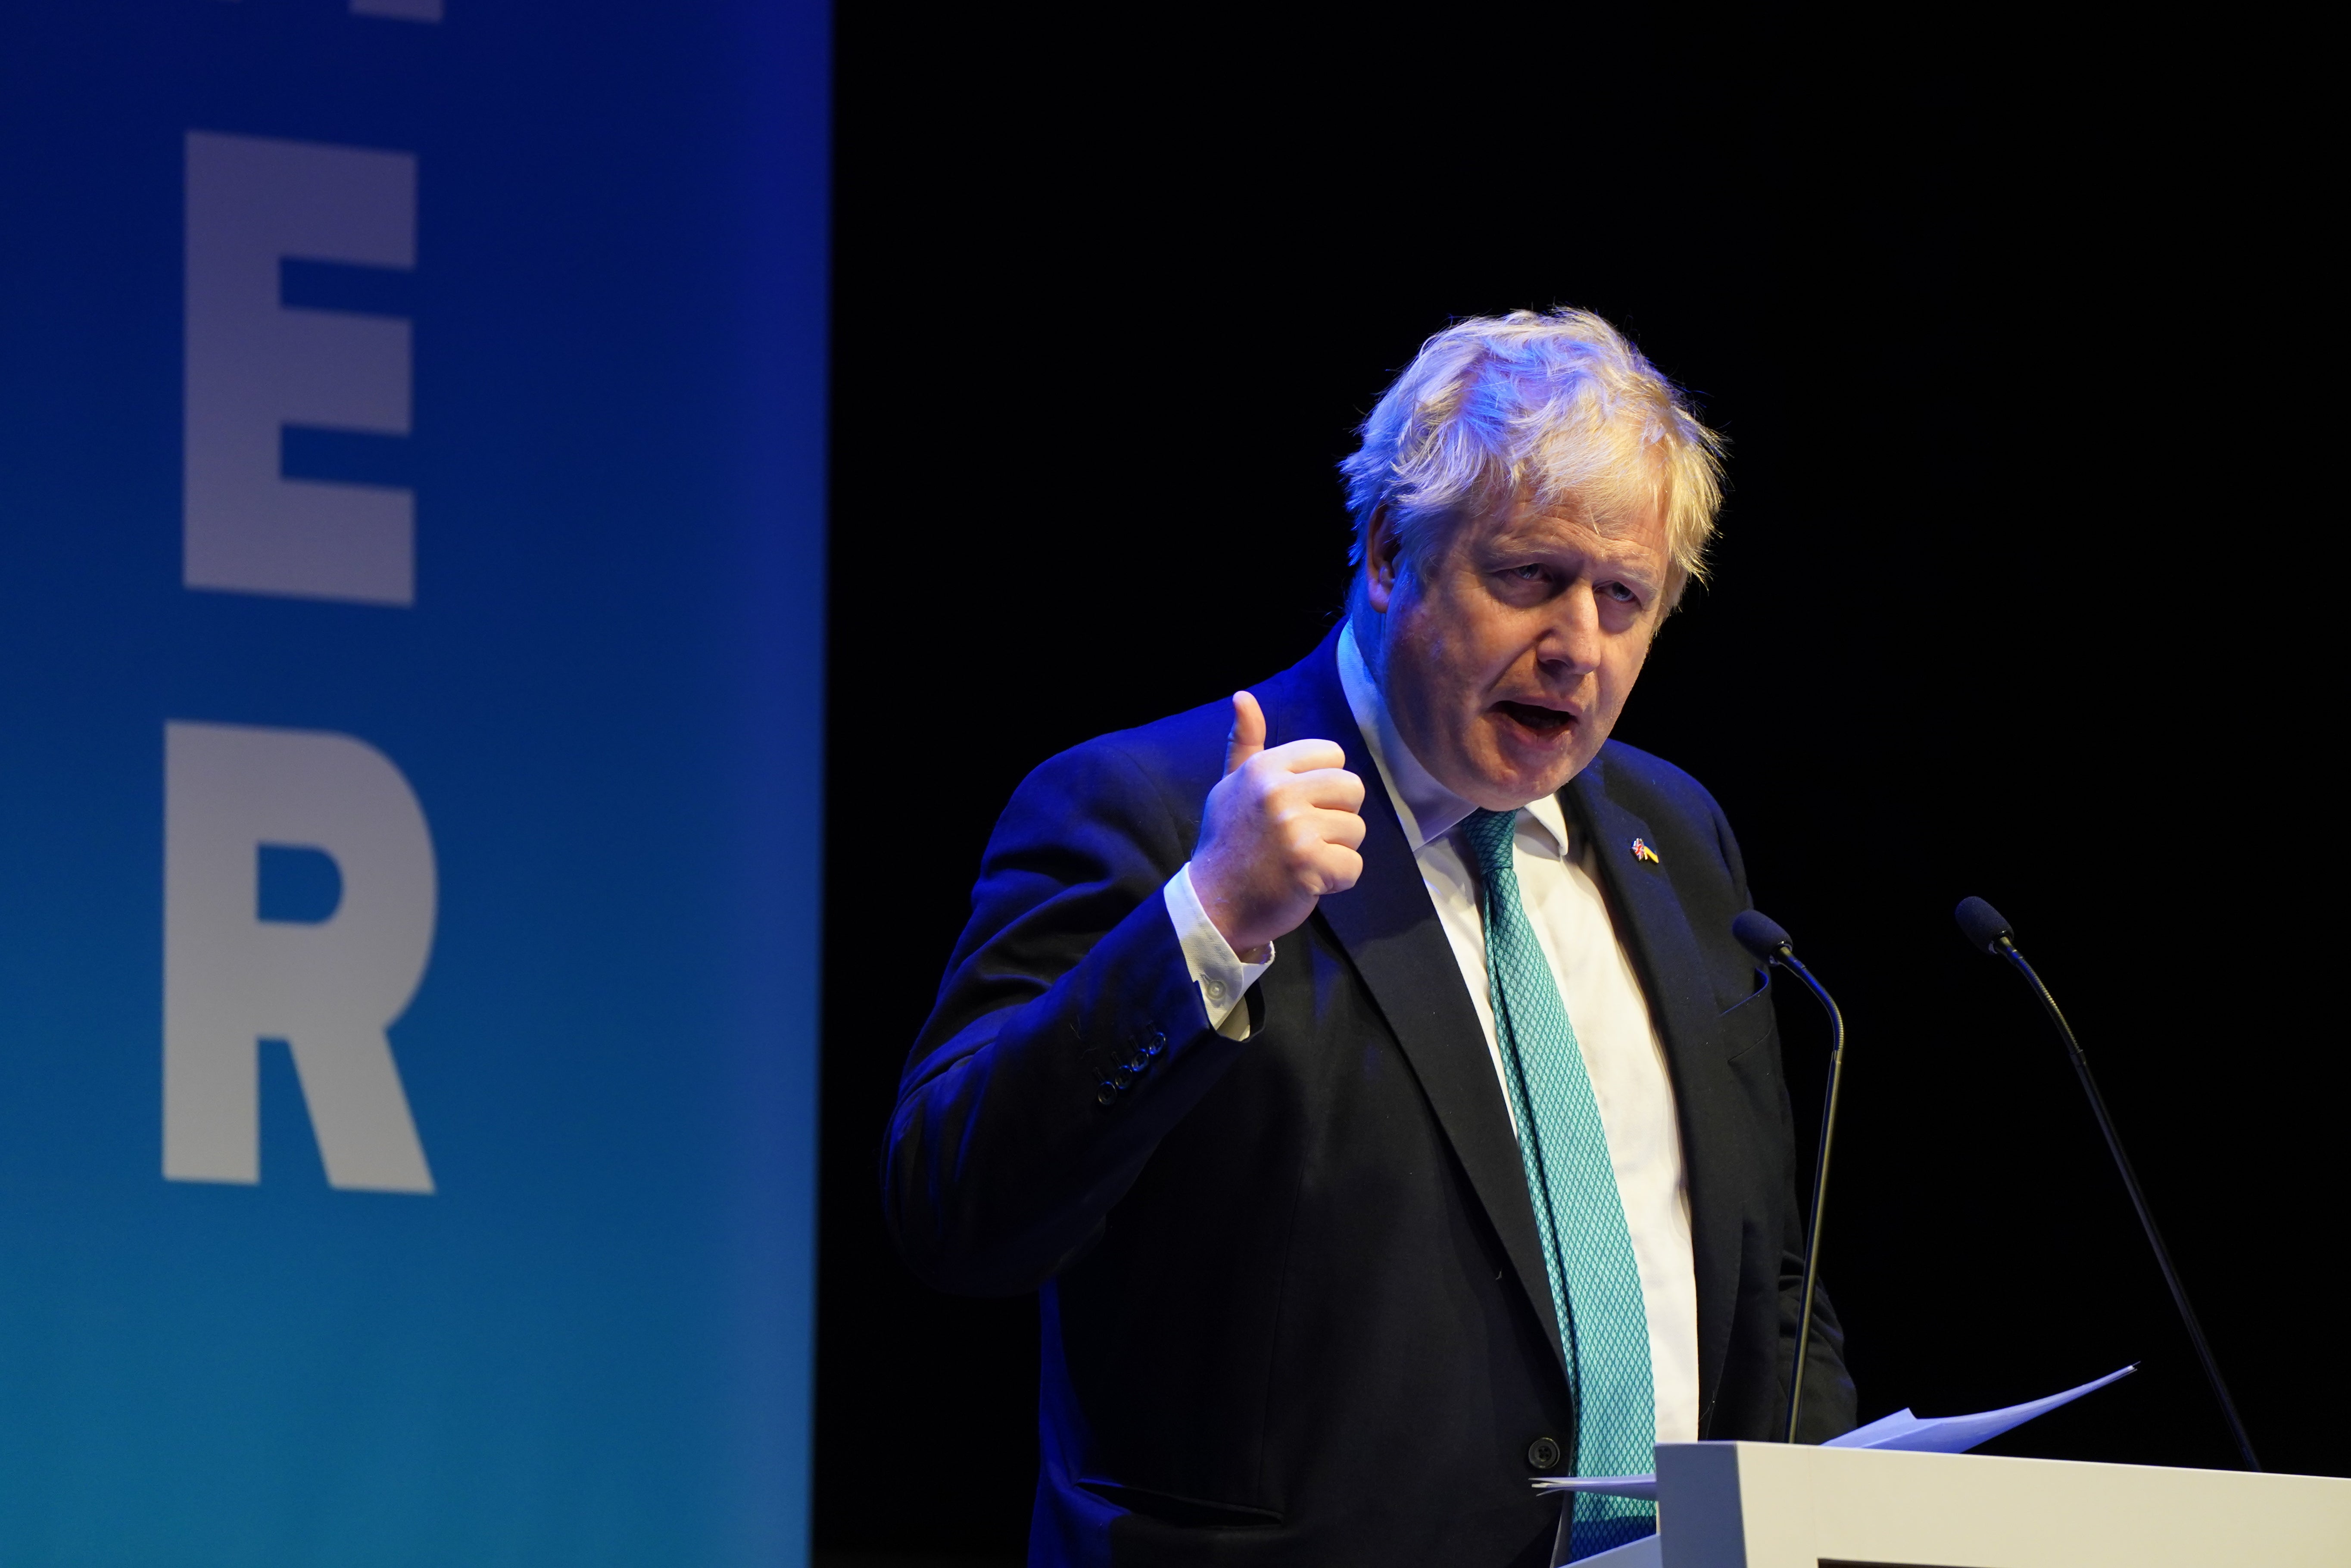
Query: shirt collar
[(1425, 808)]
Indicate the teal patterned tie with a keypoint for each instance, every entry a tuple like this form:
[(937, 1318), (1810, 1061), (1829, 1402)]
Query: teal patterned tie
[(1595, 1286)]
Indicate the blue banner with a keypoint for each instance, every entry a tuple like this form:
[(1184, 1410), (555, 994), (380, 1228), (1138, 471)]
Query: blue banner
[(411, 485)]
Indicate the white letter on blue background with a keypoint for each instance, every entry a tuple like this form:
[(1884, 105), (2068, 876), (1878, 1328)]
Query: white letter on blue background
[(330, 990), (255, 366)]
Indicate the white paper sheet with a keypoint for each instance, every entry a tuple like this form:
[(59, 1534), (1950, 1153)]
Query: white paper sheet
[(1957, 1434), (1901, 1431), (1642, 1486)]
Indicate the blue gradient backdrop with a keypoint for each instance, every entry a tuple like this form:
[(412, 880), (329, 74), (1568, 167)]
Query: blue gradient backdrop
[(591, 1344)]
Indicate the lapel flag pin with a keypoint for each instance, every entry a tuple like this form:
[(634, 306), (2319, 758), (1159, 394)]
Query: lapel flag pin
[(1643, 852)]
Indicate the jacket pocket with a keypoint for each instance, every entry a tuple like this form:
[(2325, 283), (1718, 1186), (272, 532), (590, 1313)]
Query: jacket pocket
[(1188, 1511), (1746, 1027)]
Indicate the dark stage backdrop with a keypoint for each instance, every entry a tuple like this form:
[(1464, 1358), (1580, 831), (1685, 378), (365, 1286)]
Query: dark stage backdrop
[(2013, 599)]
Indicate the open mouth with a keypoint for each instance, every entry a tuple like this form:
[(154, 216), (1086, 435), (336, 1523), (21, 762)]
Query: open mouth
[(1541, 722)]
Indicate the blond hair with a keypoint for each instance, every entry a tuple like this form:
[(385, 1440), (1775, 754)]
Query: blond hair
[(1556, 408)]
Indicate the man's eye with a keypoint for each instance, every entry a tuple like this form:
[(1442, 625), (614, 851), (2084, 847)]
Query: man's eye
[(1525, 574), (1620, 593)]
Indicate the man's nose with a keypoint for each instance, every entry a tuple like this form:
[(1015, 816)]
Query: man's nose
[(1570, 647)]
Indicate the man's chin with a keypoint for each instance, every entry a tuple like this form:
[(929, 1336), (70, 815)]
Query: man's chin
[(1524, 767)]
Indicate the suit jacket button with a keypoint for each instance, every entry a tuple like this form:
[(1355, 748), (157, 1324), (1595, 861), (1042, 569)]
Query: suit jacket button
[(1542, 1453), (1156, 1043), (1106, 1094), (1120, 1079)]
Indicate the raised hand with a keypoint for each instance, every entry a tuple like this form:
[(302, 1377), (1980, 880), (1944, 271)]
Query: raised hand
[(1281, 832)]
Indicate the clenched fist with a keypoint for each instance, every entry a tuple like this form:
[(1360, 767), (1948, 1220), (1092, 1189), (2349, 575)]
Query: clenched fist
[(1280, 831)]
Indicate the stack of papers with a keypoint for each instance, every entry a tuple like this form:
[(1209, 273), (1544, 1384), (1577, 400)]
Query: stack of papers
[(1901, 1431)]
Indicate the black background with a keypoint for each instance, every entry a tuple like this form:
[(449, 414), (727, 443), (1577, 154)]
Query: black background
[(2023, 590)]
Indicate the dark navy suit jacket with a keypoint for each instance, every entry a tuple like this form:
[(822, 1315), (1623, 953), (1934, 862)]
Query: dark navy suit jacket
[(1295, 1304)]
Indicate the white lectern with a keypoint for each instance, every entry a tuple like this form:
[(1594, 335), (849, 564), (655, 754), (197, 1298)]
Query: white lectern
[(1768, 1505)]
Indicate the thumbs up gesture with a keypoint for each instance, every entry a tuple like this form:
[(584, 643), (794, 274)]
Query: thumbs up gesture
[(1280, 831)]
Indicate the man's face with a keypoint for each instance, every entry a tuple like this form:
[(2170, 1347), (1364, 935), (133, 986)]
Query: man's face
[(1508, 656)]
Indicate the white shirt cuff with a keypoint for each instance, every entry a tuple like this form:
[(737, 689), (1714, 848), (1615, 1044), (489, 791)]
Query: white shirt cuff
[(1223, 979)]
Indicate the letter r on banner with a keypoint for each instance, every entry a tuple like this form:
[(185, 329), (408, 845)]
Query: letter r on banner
[(330, 988), (254, 367)]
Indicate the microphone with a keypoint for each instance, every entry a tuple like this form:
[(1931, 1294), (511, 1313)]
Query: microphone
[(1769, 944), (1982, 926)]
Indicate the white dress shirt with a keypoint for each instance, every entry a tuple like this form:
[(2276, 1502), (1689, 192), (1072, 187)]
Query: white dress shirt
[(1622, 1053)]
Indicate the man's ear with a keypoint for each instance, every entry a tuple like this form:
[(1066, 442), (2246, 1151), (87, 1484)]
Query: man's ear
[(1383, 560)]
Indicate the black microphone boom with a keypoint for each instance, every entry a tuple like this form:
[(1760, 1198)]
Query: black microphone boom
[(1983, 928), (1769, 944)]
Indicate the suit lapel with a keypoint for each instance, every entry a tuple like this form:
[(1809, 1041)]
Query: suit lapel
[(1651, 922), (1390, 930)]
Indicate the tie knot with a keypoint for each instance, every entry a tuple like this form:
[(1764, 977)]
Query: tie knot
[(1491, 834)]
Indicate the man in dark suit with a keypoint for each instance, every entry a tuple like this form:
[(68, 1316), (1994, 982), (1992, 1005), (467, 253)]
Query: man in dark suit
[(1364, 1071)]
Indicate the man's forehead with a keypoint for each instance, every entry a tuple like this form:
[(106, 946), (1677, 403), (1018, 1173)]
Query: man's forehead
[(1615, 531)]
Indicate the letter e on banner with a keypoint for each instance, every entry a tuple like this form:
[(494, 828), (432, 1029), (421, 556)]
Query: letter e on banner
[(330, 988), (255, 366)]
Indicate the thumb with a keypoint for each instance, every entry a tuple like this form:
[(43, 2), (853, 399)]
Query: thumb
[(1248, 738)]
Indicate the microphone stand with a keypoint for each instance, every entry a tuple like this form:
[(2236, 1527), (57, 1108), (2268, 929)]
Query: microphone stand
[(1786, 958), (2006, 948)]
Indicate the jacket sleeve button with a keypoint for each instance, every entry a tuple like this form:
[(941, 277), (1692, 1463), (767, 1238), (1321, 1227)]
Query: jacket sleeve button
[(1156, 1043), (1542, 1453), (1120, 1079), (1106, 1094)]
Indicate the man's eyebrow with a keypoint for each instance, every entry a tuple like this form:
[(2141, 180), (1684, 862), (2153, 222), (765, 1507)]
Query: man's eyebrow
[(1601, 564)]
